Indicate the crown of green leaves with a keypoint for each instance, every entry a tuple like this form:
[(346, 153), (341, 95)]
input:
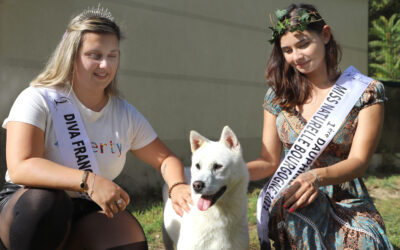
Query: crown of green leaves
[(299, 22)]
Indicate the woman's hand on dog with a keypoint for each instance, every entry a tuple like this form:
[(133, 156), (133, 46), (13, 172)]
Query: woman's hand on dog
[(302, 192), (180, 197)]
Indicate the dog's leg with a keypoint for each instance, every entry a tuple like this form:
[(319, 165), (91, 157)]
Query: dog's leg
[(171, 226), (171, 221)]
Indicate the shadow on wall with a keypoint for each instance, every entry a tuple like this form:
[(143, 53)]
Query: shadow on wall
[(389, 146), (3, 167), (391, 132)]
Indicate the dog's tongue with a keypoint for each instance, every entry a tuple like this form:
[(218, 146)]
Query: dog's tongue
[(203, 204)]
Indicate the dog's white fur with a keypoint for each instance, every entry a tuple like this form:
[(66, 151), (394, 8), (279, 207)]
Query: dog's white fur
[(224, 225)]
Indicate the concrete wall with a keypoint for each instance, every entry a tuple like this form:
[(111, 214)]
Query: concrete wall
[(185, 64)]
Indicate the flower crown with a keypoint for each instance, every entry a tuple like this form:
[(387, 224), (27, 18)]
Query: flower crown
[(299, 22)]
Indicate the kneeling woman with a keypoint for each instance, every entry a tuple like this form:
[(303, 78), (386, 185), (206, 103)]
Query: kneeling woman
[(327, 207), (59, 190)]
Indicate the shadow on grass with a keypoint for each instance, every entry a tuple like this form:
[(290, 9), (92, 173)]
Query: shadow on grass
[(257, 184), (145, 200), (384, 171)]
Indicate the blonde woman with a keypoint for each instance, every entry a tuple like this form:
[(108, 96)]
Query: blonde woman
[(59, 190)]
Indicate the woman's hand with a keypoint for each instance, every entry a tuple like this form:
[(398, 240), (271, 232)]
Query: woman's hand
[(161, 158), (180, 197), (107, 194), (302, 191)]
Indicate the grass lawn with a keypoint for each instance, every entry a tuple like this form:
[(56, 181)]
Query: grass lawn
[(384, 190)]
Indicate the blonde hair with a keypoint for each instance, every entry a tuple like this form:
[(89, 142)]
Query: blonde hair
[(59, 70)]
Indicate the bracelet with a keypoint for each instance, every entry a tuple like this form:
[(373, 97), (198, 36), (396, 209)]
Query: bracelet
[(83, 185), (173, 186), (317, 182)]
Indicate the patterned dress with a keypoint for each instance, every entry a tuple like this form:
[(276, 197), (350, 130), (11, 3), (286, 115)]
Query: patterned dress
[(343, 216)]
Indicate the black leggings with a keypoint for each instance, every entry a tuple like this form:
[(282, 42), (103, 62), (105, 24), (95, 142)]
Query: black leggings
[(41, 219)]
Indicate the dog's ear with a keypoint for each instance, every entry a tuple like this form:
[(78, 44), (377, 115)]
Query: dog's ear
[(196, 140), (229, 138)]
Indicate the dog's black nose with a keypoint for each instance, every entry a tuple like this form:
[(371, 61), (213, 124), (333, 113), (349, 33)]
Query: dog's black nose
[(198, 186)]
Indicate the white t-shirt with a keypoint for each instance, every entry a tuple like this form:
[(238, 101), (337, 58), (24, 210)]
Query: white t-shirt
[(116, 129)]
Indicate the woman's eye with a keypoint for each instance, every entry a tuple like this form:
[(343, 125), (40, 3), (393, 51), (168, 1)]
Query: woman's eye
[(113, 56), (304, 45), (287, 51), (95, 56)]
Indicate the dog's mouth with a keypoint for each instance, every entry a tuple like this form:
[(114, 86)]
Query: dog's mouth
[(206, 201)]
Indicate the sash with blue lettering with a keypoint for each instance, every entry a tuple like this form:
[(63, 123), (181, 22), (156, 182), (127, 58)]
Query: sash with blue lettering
[(311, 142), (73, 141)]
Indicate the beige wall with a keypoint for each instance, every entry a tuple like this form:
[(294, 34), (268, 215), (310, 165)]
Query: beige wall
[(186, 64)]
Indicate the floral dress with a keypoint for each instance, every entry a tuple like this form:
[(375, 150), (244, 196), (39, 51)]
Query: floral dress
[(343, 216)]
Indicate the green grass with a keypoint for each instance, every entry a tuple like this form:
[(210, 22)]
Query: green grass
[(388, 183), (386, 194), (384, 190), (148, 209), (151, 221), (389, 209)]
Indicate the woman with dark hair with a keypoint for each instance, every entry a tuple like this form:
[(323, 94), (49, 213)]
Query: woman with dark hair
[(327, 125)]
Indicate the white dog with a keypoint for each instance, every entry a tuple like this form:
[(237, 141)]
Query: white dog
[(218, 220)]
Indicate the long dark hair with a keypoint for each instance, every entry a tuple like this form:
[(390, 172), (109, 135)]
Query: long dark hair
[(291, 87)]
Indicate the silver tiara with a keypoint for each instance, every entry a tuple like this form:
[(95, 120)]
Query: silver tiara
[(98, 12)]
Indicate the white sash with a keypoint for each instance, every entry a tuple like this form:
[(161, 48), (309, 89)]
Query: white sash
[(311, 142), (73, 141)]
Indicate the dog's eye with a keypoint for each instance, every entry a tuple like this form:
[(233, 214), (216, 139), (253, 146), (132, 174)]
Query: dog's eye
[(197, 166), (216, 166)]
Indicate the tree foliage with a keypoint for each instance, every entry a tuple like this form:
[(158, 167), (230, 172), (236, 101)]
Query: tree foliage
[(384, 39), (385, 8)]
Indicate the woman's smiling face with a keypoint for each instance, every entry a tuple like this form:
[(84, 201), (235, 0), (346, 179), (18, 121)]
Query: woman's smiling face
[(97, 61), (305, 50)]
